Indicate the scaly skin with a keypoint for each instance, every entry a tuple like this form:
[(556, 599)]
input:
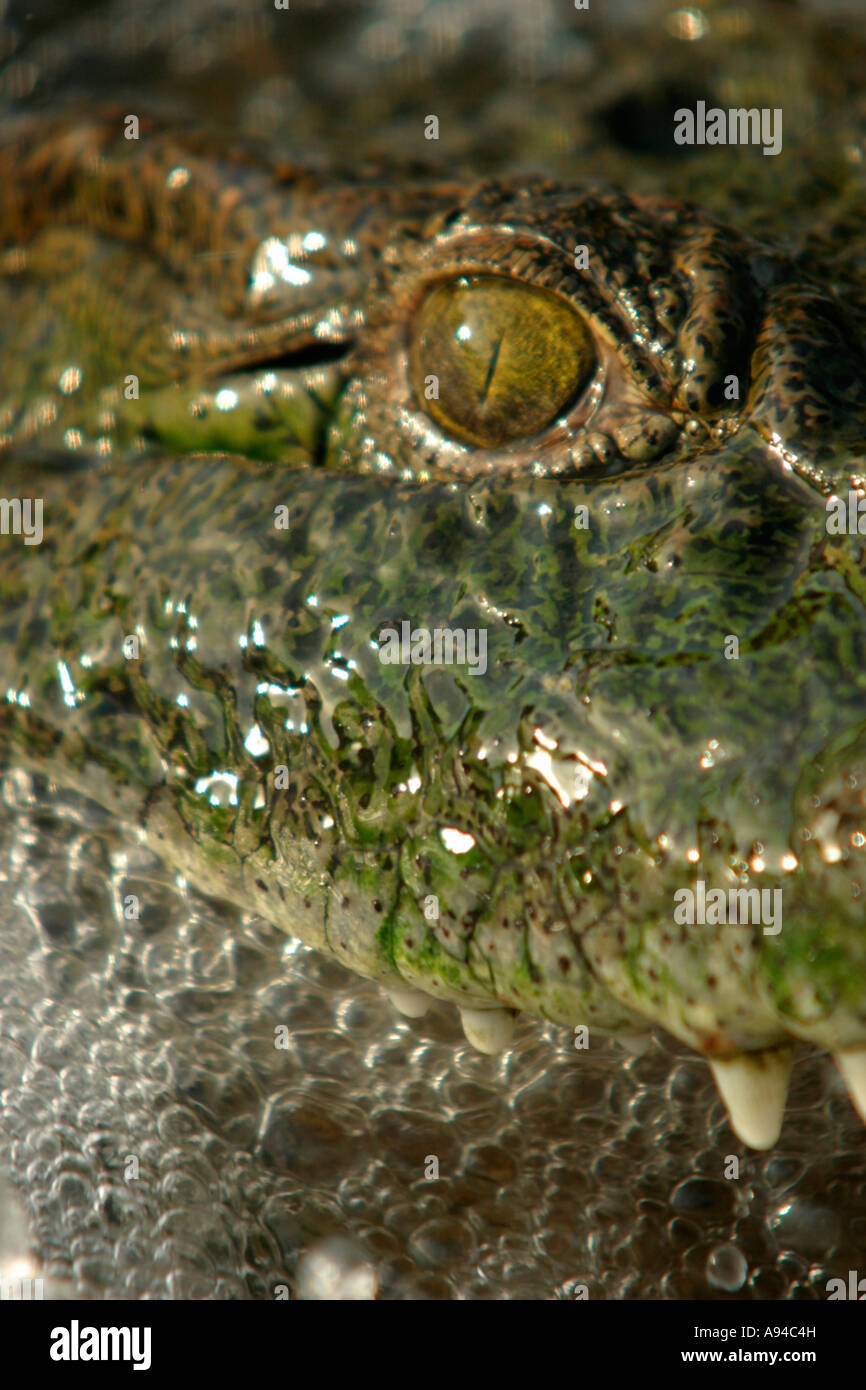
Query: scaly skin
[(612, 753)]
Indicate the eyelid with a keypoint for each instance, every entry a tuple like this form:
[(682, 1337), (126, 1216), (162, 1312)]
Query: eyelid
[(533, 257), (620, 419)]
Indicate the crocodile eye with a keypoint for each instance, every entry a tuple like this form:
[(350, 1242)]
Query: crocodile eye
[(507, 358)]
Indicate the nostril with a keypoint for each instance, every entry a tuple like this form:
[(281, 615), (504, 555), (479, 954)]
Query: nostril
[(642, 122), (310, 355)]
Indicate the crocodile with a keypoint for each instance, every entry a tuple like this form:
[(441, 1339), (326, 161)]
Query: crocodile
[(232, 381), (601, 430)]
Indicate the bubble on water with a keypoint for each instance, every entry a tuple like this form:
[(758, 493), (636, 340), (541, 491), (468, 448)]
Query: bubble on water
[(336, 1269), (810, 1228), (726, 1268)]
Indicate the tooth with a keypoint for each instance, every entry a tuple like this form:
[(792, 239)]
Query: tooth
[(635, 1043), (754, 1087), (411, 1003), (489, 1030), (851, 1062)]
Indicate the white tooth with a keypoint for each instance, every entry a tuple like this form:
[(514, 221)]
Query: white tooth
[(754, 1087), (851, 1062), (635, 1043), (411, 1003), (490, 1030)]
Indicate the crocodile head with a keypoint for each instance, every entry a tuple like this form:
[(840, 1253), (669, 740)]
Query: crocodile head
[(456, 576)]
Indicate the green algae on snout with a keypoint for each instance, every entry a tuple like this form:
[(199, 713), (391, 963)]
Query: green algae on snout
[(601, 750)]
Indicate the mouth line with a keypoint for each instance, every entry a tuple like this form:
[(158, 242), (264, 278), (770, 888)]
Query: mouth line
[(313, 354)]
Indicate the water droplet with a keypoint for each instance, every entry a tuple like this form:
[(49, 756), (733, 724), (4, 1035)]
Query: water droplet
[(726, 1268)]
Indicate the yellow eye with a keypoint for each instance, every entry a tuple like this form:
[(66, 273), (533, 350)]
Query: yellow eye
[(492, 360)]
